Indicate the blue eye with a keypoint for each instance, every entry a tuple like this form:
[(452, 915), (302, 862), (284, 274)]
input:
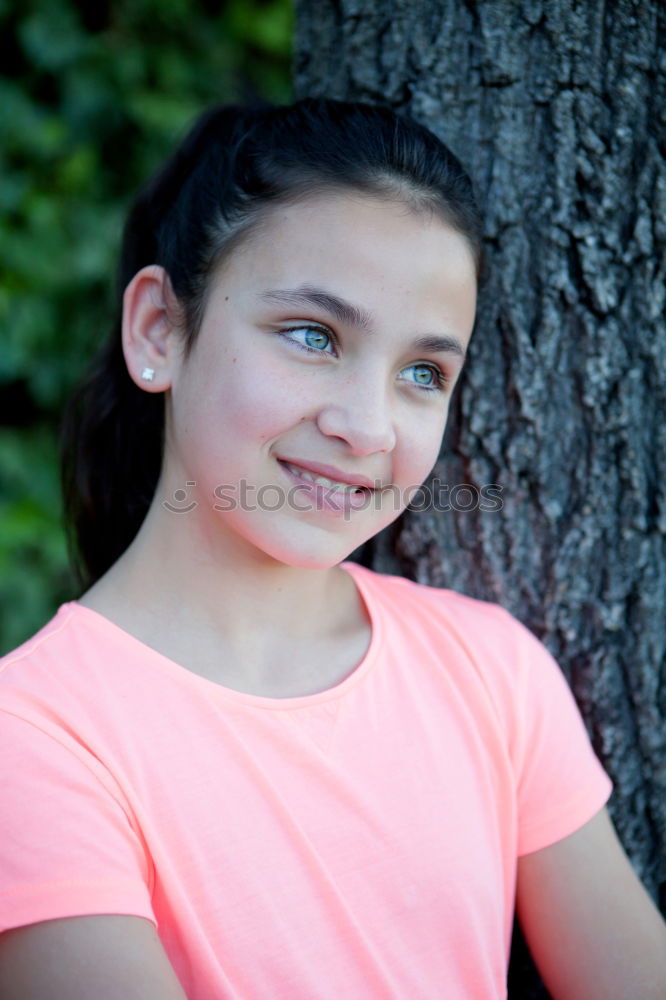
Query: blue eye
[(427, 376), (312, 338)]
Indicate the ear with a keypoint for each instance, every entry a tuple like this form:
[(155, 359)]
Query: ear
[(151, 336)]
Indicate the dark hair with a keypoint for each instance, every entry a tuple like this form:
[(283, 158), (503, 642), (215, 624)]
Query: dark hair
[(231, 166)]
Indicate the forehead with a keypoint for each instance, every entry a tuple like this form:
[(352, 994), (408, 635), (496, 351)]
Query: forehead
[(358, 241)]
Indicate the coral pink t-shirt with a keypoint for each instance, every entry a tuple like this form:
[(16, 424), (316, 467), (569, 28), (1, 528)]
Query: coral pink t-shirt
[(360, 842)]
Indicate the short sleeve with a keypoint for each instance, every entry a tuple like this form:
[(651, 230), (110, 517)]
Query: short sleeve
[(67, 844), (560, 782)]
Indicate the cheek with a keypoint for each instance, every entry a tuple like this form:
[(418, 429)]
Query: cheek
[(420, 448), (257, 406)]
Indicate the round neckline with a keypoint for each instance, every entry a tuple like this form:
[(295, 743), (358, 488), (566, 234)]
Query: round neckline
[(219, 691)]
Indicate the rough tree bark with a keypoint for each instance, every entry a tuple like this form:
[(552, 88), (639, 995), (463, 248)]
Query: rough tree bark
[(557, 109)]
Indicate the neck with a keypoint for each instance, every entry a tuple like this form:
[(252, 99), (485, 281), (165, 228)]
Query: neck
[(178, 587)]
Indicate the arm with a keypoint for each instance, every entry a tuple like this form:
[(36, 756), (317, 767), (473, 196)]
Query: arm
[(591, 927), (105, 957)]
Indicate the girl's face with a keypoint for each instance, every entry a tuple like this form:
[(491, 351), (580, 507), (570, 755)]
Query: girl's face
[(330, 345)]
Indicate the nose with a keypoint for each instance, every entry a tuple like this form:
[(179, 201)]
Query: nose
[(360, 415)]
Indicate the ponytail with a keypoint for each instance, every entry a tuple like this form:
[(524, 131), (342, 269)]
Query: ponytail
[(112, 432)]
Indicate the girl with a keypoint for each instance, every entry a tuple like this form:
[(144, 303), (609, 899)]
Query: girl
[(236, 766)]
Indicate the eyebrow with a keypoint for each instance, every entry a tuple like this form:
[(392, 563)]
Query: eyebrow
[(355, 316)]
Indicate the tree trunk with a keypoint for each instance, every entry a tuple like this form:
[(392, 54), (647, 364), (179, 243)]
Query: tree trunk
[(557, 110)]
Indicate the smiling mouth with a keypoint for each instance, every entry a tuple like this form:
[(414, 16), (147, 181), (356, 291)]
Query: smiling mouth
[(329, 484)]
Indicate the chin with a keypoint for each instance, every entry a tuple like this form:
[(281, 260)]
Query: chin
[(306, 552), (309, 546), (315, 558)]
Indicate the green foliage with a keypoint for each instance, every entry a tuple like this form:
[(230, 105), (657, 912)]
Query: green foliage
[(94, 94), (33, 567)]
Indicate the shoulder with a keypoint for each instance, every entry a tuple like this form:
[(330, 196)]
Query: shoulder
[(482, 647), (67, 650), (481, 626), (64, 684), (45, 689), (39, 650), (60, 725), (77, 648)]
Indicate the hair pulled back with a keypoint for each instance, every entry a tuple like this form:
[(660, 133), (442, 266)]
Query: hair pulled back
[(233, 164)]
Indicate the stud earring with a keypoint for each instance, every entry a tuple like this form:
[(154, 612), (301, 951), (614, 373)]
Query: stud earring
[(148, 374)]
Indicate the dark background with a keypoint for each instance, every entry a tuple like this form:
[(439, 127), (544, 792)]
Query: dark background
[(92, 97)]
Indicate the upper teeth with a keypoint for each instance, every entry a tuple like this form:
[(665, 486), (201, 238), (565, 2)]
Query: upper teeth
[(331, 484)]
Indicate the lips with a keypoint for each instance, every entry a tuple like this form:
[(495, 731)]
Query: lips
[(328, 476), (324, 494), (329, 484)]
